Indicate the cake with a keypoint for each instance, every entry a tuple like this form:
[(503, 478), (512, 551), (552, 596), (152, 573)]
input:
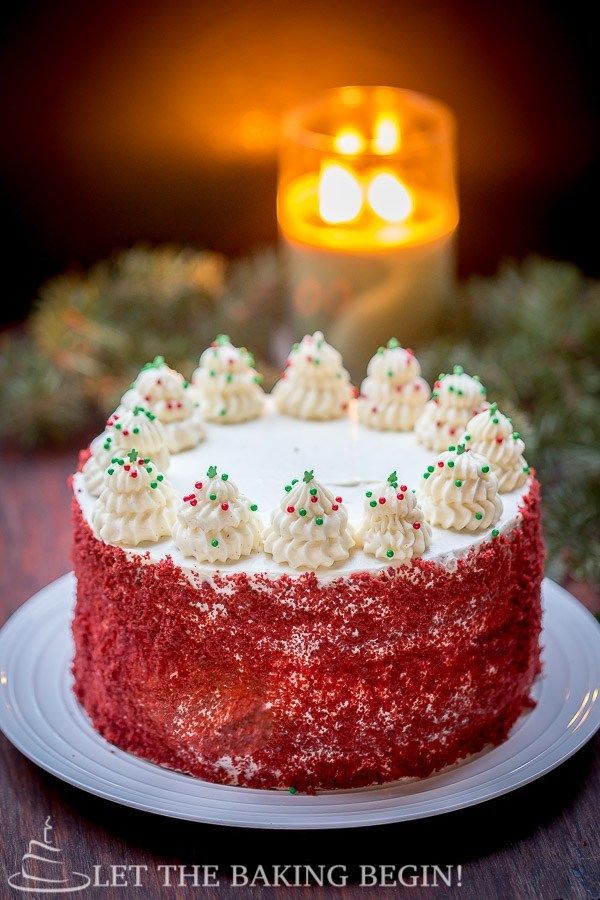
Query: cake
[(326, 601)]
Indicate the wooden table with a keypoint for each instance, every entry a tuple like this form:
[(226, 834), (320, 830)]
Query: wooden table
[(540, 841)]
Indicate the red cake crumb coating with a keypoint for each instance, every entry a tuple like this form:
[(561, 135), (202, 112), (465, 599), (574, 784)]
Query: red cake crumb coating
[(291, 682)]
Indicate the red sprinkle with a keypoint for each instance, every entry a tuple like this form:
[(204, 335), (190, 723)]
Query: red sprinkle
[(399, 496), (225, 506), (134, 474), (291, 509), (194, 502), (338, 499), (416, 525), (313, 499), (441, 464), (198, 485), (125, 431), (334, 507), (499, 440), (403, 487), (382, 500), (127, 468)]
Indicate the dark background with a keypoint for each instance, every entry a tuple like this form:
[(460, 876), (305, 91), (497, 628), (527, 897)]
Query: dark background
[(158, 120)]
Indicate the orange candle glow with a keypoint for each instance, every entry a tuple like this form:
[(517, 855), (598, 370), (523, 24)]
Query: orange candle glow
[(367, 210)]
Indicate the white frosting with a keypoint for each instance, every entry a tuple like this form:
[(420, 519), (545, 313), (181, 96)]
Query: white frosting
[(137, 503), (215, 523), (138, 427), (455, 399), (460, 491), (310, 529), (393, 394), (491, 434), (94, 470), (167, 394), (347, 457), (393, 528), (227, 385), (315, 384)]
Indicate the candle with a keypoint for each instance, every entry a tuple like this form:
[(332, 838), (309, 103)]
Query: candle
[(367, 212)]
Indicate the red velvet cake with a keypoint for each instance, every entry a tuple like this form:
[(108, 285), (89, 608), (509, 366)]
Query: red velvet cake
[(331, 630)]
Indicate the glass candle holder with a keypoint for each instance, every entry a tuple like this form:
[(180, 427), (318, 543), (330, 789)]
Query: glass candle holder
[(367, 211)]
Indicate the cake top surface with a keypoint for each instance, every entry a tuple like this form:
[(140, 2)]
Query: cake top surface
[(265, 454)]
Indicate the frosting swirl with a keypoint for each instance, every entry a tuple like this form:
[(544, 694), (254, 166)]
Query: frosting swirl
[(310, 528), (455, 399), (315, 384), (227, 384), (460, 491), (94, 470), (491, 434), (215, 523), (393, 394), (141, 427), (166, 393), (393, 527), (137, 502)]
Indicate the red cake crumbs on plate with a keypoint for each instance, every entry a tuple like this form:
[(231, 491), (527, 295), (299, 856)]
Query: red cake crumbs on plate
[(291, 681)]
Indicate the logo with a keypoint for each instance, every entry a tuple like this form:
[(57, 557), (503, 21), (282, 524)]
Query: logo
[(44, 871)]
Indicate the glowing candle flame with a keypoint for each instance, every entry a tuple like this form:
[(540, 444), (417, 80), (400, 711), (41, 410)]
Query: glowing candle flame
[(389, 198), (386, 138), (349, 142), (340, 194)]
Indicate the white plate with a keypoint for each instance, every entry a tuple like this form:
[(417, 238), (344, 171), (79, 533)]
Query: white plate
[(41, 717)]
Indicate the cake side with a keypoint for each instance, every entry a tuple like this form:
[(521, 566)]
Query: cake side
[(271, 683)]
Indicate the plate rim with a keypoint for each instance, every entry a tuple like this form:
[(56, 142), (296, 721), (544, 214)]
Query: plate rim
[(302, 813)]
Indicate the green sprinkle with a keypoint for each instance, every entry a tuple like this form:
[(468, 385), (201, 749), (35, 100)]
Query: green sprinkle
[(495, 421), (485, 469), (293, 790), (467, 437), (460, 449), (458, 370), (148, 469), (426, 474), (372, 502), (479, 516), (214, 542), (526, 470), (223, 412), (122, 462), (106, 446), (516, 435), (136, 430), (450, 464), (313, 492), (301, 512), (495, 532), (253, 507), (147, 460), (229, 378), (118, 426), (153, 485), (308, 477), (288, 488), (110, 471), (389, 553), (451, 447), (318, 520), (393, 478), (393, 343), (390, 374), (160, 477), (317, 362), (369, 494), (451, 388), (258, 379), (224, 476), (380, 350), (458, 482), (294, 481), (459, 392), (430, 469), (212, 496), (211, 471)]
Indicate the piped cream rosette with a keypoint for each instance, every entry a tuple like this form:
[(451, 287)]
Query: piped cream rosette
[(167, 394), (393, 394), (315, 384), (140, 427), (227, 384), (94, 469), (310, 528), (456, 398), (215, 523), (460, 491), (491, 434), (393, 527), (137, 503)]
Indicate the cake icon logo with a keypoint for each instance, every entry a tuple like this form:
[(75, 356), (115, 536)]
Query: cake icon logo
[(43, 870)]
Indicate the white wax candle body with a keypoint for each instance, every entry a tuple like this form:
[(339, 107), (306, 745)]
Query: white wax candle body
[(361, 300)]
